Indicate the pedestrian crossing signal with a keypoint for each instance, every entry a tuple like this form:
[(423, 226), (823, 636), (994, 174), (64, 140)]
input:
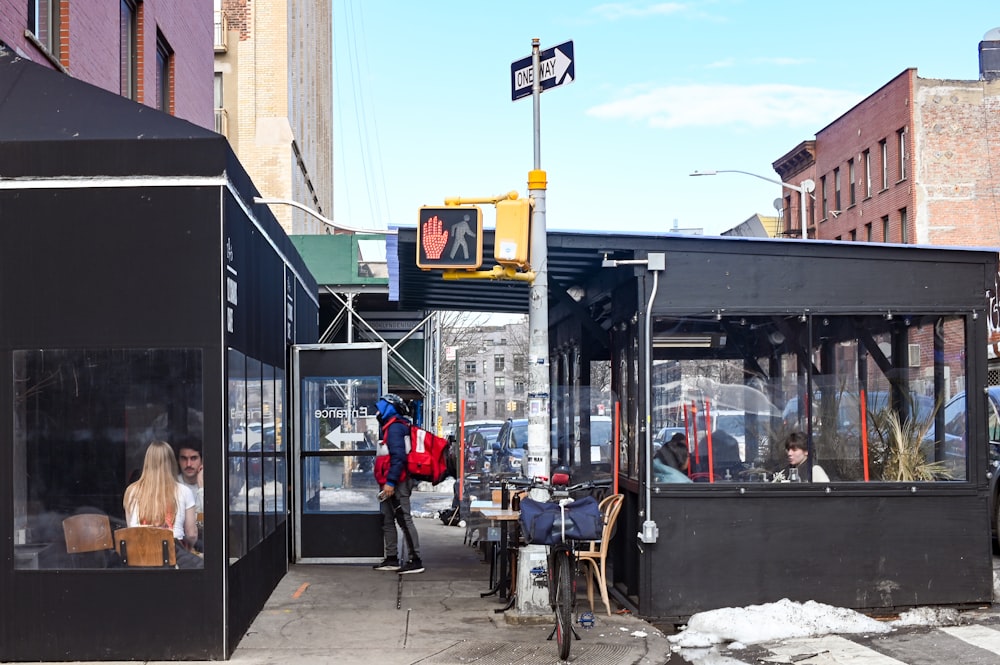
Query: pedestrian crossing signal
[(450, 237)]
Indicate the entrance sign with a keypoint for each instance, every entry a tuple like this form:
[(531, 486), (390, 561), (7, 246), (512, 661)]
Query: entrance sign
[(555, 66)]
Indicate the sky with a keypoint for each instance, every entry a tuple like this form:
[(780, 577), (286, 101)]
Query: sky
[(423, 108)]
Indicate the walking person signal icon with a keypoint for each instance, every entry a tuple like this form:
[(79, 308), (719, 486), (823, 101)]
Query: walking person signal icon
[(450, 237)]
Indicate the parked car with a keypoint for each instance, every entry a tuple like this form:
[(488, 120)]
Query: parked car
[(954, 427), (511, 446), (480, 435)]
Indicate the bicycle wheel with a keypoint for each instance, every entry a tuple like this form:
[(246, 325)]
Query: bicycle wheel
[(562, 575)]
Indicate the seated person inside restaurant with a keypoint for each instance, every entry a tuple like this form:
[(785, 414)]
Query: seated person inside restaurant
[(799, 469), (671, 461), (726, 462)]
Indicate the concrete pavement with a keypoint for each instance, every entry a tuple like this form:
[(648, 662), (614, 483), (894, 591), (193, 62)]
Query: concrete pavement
[(349, 614)]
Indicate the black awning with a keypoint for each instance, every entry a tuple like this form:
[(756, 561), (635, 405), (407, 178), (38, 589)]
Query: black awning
[(53, 125)]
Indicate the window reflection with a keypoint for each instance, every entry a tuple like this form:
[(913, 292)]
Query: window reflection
[(82, 421), (878, 398)]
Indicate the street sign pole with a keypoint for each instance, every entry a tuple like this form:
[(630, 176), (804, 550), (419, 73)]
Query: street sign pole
[(532, 599)]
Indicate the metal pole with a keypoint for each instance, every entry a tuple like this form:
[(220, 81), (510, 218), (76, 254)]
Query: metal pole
[(530, 598), (539, 450), (802, 202)]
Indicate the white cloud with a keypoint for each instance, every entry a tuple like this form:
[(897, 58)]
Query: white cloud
[(761, 105)]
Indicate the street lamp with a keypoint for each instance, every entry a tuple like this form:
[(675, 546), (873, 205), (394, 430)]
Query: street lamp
[(803, 188), (260, 200)]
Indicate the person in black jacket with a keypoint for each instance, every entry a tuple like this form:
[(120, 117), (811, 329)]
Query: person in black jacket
[(396, 487)]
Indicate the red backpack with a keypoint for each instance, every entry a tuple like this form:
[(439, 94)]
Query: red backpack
[(426, 456)]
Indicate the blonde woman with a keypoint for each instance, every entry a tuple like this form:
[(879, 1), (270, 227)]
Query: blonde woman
[(158, 499)]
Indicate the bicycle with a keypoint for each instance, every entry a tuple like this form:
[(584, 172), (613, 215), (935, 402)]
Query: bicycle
[(559, 526)]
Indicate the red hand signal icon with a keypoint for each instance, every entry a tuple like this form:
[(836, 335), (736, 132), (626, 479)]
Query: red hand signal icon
[(433, 238)]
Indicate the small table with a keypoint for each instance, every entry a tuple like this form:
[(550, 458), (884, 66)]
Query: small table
[(503, 581)]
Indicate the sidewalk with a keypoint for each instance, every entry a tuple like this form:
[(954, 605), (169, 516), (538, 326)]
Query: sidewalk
[(351, 614)]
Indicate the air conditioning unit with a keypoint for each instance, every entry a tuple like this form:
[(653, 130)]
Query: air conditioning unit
[(914, 355)]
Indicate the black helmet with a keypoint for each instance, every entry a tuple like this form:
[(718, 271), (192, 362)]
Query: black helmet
[(397, 403)]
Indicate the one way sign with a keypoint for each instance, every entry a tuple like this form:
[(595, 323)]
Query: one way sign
[(555, 65)]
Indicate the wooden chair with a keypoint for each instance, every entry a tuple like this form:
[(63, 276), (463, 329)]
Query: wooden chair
[(88, 539), (595, 553), (89, 532), (146, 546)]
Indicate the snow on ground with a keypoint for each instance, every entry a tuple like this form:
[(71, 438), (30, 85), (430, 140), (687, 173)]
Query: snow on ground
[(755, 624)]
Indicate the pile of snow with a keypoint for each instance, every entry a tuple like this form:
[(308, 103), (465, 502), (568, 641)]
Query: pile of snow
[(784, 619)]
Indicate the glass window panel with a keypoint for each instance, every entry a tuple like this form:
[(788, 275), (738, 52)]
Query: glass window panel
[(254, 452), (237, 427), (281, 450), (342, 483), (877, 398), (83, 419), (269, 446)]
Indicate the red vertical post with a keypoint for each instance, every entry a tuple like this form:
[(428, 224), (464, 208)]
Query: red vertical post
[(864, 433), (708, 439), (460, 430)]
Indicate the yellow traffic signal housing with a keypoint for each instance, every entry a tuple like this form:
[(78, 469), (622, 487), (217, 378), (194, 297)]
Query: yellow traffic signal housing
[(511, 240), (450, 237)]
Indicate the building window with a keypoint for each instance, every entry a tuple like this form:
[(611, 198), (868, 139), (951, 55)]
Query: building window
[(884, 153), (471, 408), (499, 406), (836, 190), (486, 408), (82, 420), (470, 366), (43, 22), (822, 191), (885, 228), (485, 367), (868, 232), (470, 388), (128, 27), (221, 117), (868, 173), (854, 235), (518, 363), (164, 74), (499, 383), (852, 198), (901, 143), (902, 226), (498, 363)]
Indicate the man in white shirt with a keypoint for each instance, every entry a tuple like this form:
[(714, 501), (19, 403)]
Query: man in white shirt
[(192, 475)]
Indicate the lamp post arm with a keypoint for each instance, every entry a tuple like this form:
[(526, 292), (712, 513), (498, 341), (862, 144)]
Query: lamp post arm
[(325, 220), (755, 175)]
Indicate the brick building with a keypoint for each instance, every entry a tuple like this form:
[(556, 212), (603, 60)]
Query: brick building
[(917, 161), (274, 100), (156, 52)]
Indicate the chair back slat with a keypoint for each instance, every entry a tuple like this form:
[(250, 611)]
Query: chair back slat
[(146, 546)]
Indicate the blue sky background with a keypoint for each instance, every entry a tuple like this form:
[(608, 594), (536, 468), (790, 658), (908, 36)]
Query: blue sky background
[(423, 106)]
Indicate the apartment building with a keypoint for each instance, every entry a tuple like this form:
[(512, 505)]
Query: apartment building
[(491, 373), (274, 101), (156, 52), (917, 161)]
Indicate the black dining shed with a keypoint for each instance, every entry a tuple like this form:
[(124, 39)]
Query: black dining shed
[(142, 297), (868, 351)]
